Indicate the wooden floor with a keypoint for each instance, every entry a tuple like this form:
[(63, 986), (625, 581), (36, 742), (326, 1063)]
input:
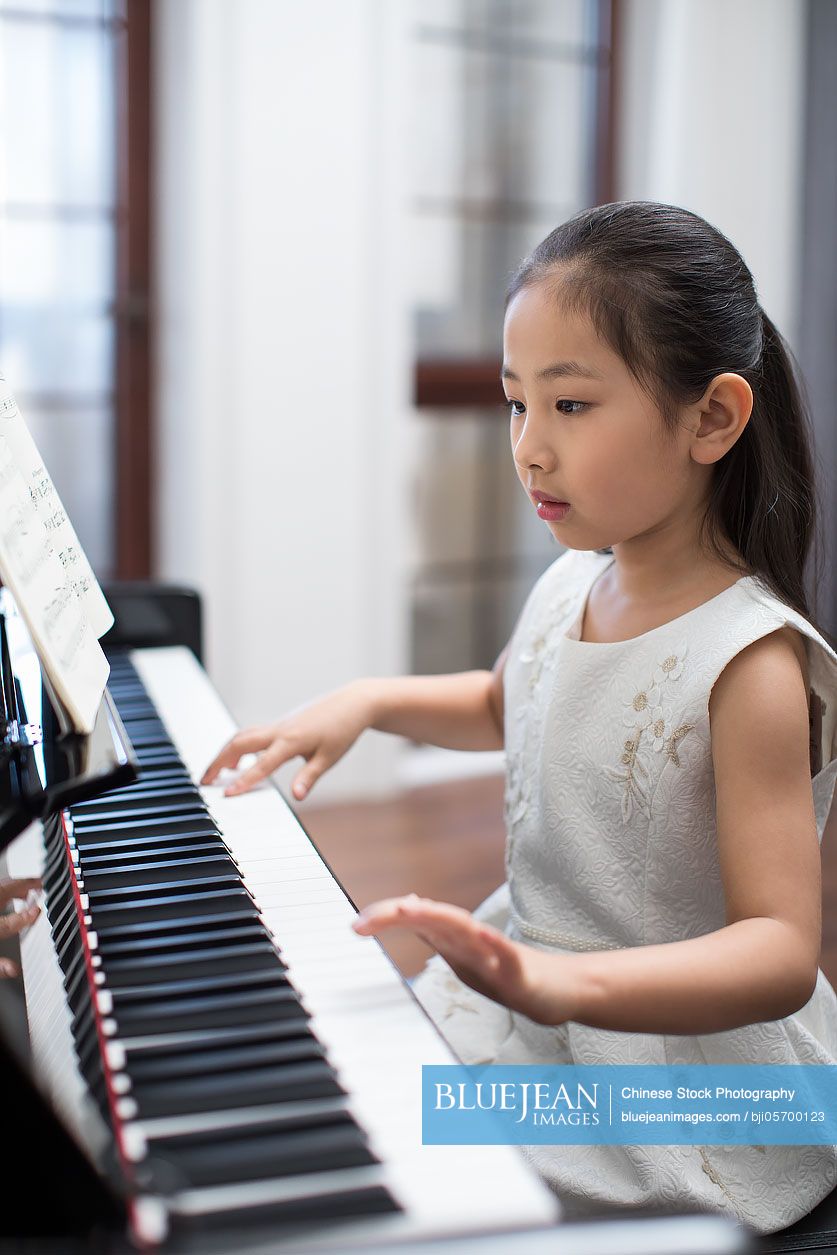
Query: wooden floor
[(446, 842)]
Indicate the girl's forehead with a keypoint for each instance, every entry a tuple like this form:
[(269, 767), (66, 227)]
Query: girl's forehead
[(538, 308), (536, 329)]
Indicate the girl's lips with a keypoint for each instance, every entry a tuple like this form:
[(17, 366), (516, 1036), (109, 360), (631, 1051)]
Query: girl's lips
[(543, 496), (552, 511)]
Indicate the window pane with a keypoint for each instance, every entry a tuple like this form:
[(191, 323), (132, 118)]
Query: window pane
[(60, 8), (473, 507), (45, 260), (452, 151), (461, 269), (43, 350), (502, 138), (559, 21), (548, 162), (564, 20), (59, 79)]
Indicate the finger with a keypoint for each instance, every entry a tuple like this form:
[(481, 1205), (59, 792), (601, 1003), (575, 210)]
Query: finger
[(242, 743), (8, 968), (264, 766), (18, 888), (383, 914), (442, 925), (453, 929), (310, 774), (11, 925)]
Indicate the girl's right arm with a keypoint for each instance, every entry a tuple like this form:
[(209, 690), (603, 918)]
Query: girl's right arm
[(462, 711)]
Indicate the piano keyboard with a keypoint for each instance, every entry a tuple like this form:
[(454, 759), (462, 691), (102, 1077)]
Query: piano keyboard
[(195, 988)]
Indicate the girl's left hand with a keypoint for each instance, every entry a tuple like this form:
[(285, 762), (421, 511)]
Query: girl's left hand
[(540, 986), (15, 921)]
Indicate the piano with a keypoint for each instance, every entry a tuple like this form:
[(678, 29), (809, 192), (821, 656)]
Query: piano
[(218, 1062), (226, 1052)]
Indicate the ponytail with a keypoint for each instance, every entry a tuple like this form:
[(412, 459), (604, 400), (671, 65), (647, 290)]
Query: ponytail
[(763, 495)]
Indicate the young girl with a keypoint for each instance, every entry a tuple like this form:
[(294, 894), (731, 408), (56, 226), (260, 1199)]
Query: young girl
[(666, 706)]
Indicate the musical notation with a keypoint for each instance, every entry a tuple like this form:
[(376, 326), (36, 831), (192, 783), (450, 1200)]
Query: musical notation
[(44, 565), (48, 506)]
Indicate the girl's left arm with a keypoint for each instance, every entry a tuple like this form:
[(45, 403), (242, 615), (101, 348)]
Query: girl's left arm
[(762, 965)]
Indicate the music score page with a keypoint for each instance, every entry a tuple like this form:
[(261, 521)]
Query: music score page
[(47, 571)]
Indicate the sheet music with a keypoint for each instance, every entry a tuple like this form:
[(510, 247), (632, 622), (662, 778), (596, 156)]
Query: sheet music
[(47, 572), (48, 506)]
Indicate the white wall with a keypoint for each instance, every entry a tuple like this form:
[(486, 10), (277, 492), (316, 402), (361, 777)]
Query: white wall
[(283, 356), (711, 118)]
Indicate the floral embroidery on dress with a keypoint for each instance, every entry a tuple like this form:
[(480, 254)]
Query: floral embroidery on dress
[(634, 778), (712, 1173), (647, 715), (539, 657)]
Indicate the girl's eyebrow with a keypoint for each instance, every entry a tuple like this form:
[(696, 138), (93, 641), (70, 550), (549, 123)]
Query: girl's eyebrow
[(556, 370)]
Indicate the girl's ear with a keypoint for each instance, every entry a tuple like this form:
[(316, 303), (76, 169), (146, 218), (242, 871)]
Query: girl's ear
[(723, 412)]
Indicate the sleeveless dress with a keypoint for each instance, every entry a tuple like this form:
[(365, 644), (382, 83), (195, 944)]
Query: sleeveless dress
[(611, 842)]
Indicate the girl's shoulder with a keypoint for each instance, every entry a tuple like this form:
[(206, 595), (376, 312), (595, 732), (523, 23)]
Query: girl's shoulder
[(778, 614)]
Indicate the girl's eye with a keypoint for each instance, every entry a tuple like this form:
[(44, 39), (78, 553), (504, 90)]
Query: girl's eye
[(518, 412)]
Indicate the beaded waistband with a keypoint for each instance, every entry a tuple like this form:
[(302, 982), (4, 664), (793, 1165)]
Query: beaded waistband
[(551, 936)]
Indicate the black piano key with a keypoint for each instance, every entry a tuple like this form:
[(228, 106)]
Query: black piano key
[(164, 786), (321, 1145), (99, 852), (185, 987), (137, 809), (210, 1011), (165, 801), (156, 757), (246, 916), (177, 908), (170, 1044), (162, 890), (242, 932), (105, 855), (147, 827), (167, 1064), (253, 1087), (184, 964), (154, 873), (330, 1205)]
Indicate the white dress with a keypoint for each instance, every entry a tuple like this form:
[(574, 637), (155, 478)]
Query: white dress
[(610, 816)]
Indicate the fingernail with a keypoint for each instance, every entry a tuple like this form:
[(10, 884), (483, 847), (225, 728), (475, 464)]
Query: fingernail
[(31, 912), (7, 968)]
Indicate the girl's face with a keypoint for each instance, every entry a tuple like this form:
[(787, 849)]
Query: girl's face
[(584, 432)]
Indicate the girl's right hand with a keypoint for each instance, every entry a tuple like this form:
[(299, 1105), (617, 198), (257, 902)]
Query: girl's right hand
[(320, 733)]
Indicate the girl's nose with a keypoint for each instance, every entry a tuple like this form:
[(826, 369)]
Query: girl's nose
[(531, 446)]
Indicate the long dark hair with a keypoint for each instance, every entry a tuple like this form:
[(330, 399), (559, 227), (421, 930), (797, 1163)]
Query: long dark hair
[(673, 297)]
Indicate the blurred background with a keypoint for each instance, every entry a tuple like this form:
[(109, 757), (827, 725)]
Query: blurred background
[(252, 260)]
